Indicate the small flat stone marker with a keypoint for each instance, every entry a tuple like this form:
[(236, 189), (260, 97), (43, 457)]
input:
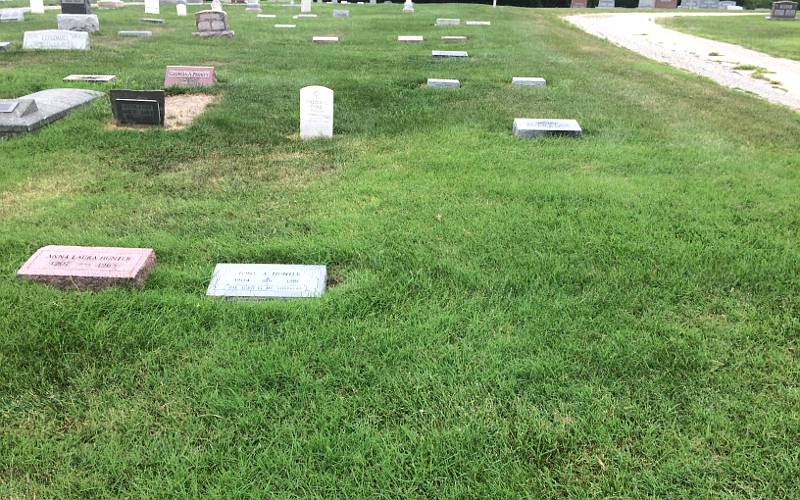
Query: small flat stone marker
[(526, 81), (90, 78), (55, 40), (135, 33), (267, 281), (454, 38), (89, 268), (152, 7), (441, 83), (528, 127), (266, 16), (449, 53), (478, 23), (411, 38), (4, 46), (12, 15), (285, 25), (152, 20), (447, 22), (305, 16), (190, 76), (341, 13), (325, 39)]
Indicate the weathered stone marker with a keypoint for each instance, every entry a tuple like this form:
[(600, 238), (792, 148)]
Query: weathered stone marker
[(606, 4), (266, 16), (481, 23), (37, 6), (341, 13), (5, 46), (454, 38), (152, 7), (784, 11), (305, 6), (449, 53), (411, 38), (316, 112), (527, 81), (138, 107), (212, 23), (78, 22), (285, 26), (666, 4), (90, 78), (36, 110), (527, 128), (442, 83), (325, 39), (190, 76), (89, 268), (55, 40), (12, 16), (578, 4), (135, 33), (647, 4), (447, 22), (408, 7), (180, 10), (152, 20), (267, 281), (75, 7)]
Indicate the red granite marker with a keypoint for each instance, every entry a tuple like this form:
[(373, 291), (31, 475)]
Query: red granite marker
[(89, 268), (190, 76)]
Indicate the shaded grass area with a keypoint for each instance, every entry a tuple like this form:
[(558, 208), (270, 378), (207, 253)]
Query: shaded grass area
[(777, 38), (615, 315)]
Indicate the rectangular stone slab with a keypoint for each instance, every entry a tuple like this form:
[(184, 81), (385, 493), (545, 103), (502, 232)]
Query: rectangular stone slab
[(527, 81), (442, 83), (4, 45), (138, 107), (55, 40), (40, 108), (454, 38), (90, 78), (341, 13), (447, 22), (89, 268), (8, 106), (150, 20), (190, 76), (479, 23), (78, 22), (267, 281), (267, 16), (534, 127), (449, 53), (12, 15), (135, 33), (411, 38), (325, 39), (285, 26)]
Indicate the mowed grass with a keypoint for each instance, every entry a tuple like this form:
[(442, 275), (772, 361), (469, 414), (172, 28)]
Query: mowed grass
[(611, 316), (777, 38)]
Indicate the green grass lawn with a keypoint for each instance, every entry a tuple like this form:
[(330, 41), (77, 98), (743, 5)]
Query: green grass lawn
[(778, 38), (616, 315)]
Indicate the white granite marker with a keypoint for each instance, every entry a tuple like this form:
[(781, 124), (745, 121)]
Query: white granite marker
[(454, 38), (411, 38), (447, 22), (449, 53), (90, 78), (151, 7), (285, 25), (266, 16), (528, 127), (55, 40), (305, 6), (267, 281), (408, 7), (180, 9), (316, 112), (442, 83), (478, 23), (526, 81), (37, 6), (325, 39)]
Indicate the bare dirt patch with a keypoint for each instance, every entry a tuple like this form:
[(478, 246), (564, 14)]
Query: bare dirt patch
[(180, 111)]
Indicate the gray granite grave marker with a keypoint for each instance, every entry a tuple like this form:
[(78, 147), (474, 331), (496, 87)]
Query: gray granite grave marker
[(75, 7), (138, 107), (267, 281), (55, 40), (528, 128), (30, 112)]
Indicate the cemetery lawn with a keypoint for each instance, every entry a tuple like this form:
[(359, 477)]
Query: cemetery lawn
[(612, 315), (777, 38)]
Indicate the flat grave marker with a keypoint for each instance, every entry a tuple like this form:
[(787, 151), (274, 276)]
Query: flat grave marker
[(89, 268), (285, 26), (447, 22), (212, 23), (135, 33), (325, 39), (341, 13), (12, 15), (55, 40), (411, 38), (528, 81), (90, 78), (442, 83), (454, 38), (449, 53), (531, 127), (267, 281), (483, 23)]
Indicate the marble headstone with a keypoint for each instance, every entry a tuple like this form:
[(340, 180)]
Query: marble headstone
[(305, 6), (90, 78), (180, 9), (12, 15), (528, 81), (316, 112), (78, 22), (442, 83), (411, 38), (135, 33), (447, 22), (341, 13), (152, 7), (55, 40), (37, 6)]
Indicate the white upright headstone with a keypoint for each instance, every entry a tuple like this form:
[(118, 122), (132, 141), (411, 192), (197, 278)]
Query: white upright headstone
[(151, 7), (216, 5), (37, 6), (408, 6), (305, 6), (316, 112), (180, 9)]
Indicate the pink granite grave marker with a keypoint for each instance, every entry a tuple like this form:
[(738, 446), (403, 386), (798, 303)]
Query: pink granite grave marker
[(89, 268), (190, 76)]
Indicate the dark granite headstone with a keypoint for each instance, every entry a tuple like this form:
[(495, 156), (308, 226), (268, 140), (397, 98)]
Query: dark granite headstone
[(579, 4), (75, 7), (138, 107), (785, 11)]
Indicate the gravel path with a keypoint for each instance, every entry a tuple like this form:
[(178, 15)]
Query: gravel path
[(639, 32)]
